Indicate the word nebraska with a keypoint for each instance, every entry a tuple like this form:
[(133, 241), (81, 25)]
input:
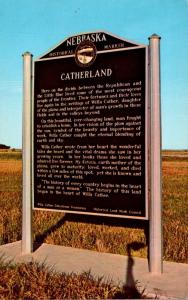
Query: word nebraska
[(93, 37), (86, 74)]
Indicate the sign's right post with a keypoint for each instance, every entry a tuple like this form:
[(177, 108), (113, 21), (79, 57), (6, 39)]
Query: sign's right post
[(155, 244)]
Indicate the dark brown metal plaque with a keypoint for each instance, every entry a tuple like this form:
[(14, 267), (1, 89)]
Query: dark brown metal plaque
[(90, 127)]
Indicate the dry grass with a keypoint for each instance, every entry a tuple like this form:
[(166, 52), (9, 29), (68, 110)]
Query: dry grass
[(10, 200), (175, 210), (175, 168), (34, 281), (79, 232), (175, 153)]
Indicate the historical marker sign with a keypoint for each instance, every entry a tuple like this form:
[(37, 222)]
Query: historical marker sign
[(90, 127)]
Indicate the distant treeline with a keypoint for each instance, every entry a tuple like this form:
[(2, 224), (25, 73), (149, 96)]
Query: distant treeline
[(2, 146)]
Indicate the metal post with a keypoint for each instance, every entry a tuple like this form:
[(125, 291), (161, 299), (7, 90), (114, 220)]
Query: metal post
[(27, 241), (155, 244)]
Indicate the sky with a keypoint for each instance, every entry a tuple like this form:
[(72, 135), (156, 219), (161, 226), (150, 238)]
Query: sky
[(38, 25)]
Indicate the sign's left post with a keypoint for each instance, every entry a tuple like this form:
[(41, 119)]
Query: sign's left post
[(27, 234)]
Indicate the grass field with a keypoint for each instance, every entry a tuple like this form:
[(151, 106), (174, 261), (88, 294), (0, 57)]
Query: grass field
[(34, 281), (83, 232)]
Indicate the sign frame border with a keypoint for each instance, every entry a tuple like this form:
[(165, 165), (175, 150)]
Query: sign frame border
[(147, 123)]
